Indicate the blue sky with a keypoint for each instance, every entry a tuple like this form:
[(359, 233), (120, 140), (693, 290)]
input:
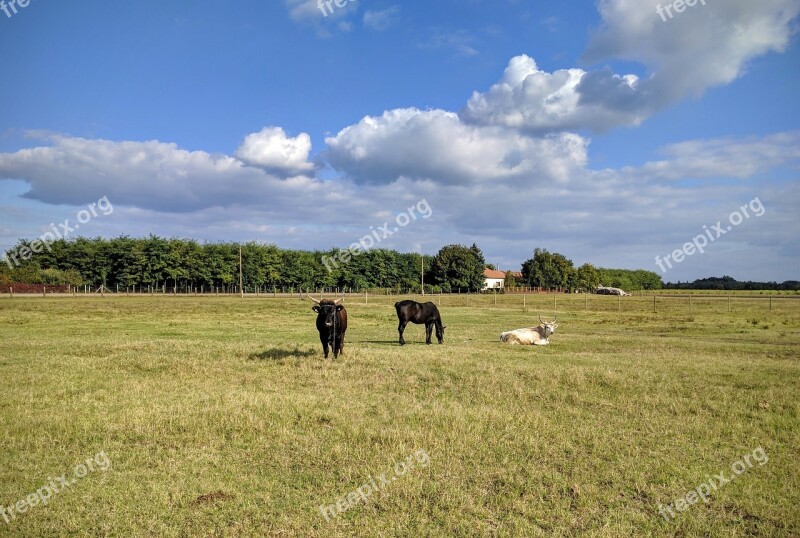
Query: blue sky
[(595, 129)]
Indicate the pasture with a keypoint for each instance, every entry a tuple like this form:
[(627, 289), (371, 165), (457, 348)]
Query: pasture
[(219, 417)]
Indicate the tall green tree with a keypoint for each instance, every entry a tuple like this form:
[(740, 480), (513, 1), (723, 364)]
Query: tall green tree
[(510, 280), (548, 270), (459, 267), (587, 278)]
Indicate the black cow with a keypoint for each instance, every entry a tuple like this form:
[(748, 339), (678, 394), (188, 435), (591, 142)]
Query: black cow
[(331, 324), (415, 312)]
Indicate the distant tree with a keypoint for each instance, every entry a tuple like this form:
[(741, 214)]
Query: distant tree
[(510, 280), (459, 267), (548, 270), (586, 277), (629, 280)]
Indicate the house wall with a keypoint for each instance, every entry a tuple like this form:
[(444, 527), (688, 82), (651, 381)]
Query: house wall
[(493, 283)]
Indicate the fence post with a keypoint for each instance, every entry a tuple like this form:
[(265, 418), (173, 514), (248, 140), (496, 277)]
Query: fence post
[(11, 291), (729, 303), (654, 302), (366, 297), (586, 301), (44, 291), (619, 303), (690, 303), (770, 304)]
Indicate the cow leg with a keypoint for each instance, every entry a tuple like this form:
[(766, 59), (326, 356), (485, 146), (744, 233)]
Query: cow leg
[(337, 346), (428, 331), (324, 341), (400, 329)]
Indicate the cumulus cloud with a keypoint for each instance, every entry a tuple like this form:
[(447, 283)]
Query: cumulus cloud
[(702, 47), (533, 100), (151, 175), (506, 191), (275, 152), (436, 145)]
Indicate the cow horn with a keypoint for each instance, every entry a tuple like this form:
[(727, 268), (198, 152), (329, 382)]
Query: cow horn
[(310, 297), (555, 319), (338, 301), (542, 321)]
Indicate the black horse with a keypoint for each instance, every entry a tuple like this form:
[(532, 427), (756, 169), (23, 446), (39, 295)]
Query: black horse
[(415, 312)]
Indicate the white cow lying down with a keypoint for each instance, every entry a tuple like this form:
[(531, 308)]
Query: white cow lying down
[(536, 336)]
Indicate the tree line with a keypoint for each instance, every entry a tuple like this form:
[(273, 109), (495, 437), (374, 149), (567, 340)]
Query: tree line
[(180, 265), (727, 283), (555, 271)]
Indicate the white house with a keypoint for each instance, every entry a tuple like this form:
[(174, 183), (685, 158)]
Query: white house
[(494, 279)]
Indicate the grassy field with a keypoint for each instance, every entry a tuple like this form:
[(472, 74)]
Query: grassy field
[(219, 417)]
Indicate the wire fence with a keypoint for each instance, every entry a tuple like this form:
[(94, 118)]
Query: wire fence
[(537, 302)]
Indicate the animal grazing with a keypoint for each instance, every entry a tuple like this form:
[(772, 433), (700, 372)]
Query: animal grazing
[(536, 336), (419, 313), (331, 324)]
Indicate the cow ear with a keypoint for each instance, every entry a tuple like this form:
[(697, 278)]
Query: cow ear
[(339, 307), (315, 308)]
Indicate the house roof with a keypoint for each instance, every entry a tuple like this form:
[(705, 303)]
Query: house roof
[(491, 273)]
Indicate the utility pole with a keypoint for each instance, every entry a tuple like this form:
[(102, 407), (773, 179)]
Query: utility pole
[(241, 289)]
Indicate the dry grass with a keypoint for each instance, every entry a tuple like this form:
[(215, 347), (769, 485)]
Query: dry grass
[(221, 418)]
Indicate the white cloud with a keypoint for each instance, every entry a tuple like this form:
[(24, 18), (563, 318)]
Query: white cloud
[(698, 49), (727, 158), (703, 47), (275, 152), (460, 42), (381, 19), (151, 175), (323, 16), (506, 191), (436, 145), (303, 10), (530, 99)]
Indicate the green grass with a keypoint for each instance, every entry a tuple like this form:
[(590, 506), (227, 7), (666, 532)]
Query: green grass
[(221, 418)]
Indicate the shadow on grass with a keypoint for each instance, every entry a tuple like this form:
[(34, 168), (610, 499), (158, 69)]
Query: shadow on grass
[(278, 354), (383, 342), (394, 343)]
